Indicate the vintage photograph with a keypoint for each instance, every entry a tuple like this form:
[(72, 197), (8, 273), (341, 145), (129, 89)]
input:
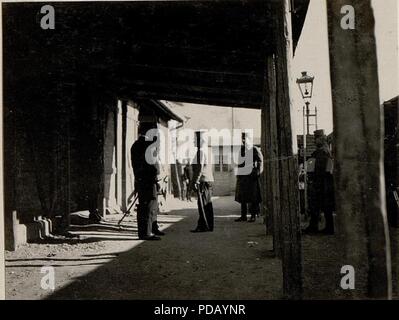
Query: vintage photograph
[(200, 150)]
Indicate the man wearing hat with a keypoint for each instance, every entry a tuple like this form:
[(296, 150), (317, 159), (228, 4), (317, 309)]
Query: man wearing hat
[(321, 186), (250, 167), (202, 183), (146, 178)]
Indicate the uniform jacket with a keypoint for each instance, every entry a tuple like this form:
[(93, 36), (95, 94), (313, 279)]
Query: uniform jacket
[(202, 168), (248, 176)]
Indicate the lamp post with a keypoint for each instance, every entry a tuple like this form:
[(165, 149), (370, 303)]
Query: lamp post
[(305, 84)]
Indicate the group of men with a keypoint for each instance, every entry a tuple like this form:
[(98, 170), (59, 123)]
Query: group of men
[(198, 177), (248, 190)]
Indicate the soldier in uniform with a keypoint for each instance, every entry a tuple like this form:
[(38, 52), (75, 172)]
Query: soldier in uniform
[(321, 187), (248, 191), (188, 178), (146, 179), (202, 183)]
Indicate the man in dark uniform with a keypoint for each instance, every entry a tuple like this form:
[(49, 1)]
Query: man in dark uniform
[(145, 173), (203, 184), (248, 191), (321, 187)]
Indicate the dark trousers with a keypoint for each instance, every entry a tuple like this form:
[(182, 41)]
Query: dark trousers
[(314, 220), (145, 218), (154, 215), (183, 189), (254, 209), (188, 191), (205, 207)]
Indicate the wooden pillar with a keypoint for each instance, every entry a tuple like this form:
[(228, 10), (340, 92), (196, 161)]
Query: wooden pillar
[(119, 154), (9, 172), (66, 102), (395, 260), (124, 156), (265, 186), (288, 191), (359, 175), (270, 145)]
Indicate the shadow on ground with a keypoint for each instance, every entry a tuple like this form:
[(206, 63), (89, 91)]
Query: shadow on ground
[(229, 263)]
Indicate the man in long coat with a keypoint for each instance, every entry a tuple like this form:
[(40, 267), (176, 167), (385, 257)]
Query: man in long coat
[(248, 189), (321, 187)]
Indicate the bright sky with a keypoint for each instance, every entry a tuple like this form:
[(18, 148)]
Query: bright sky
[(312, 56)]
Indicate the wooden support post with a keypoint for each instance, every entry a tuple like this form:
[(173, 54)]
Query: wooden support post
[(9, 168), (288, 191), (359, 175), (270, 145), (119, 154), (65, 104), (395, 260), (124, 156), (265, 185)]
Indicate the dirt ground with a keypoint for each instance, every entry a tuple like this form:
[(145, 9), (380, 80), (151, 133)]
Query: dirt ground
[(233, 262)]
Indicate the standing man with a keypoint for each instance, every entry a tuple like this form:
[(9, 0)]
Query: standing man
[(188, 176), (250, 167), (321, 186), (145, 173), (203, 184)]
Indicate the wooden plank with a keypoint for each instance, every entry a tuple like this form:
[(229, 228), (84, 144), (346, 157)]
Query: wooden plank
[(288, 201), (360, 201)]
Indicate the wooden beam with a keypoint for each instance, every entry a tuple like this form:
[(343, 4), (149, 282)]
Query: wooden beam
[(129, 93), (288, 191), (160, 87), (360, 194)]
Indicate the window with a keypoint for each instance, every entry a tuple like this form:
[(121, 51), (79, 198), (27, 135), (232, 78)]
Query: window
[(223, 159)]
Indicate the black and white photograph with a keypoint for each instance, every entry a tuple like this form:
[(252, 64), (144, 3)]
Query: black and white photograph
[(197, 150)]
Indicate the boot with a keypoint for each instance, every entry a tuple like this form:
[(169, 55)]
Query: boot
[(155, 229)]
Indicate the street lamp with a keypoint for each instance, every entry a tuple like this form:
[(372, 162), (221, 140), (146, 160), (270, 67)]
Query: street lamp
[(305, 84)]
